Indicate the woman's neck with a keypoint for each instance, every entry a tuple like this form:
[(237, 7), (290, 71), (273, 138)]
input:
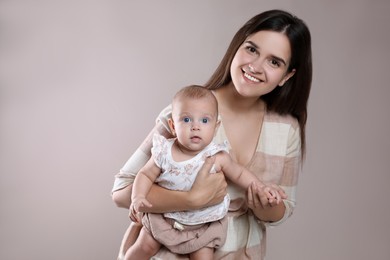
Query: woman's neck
[(231, 101)]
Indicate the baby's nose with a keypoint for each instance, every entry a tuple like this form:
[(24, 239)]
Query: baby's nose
[(195, 126)]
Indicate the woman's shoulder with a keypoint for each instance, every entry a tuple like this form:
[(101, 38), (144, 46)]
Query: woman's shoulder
[(160, 140), (280, 135), (166, 112), (273, 117)]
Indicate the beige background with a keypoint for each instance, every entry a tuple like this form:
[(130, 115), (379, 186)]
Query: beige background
[(82, 82)]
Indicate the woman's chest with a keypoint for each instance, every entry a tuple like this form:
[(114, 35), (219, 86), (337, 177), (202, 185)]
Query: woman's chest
[(243, 136)]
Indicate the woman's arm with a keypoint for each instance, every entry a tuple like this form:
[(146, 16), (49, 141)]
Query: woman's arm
[(288, 182), (208, 189), (121, 192), (259, 199), (122, 197)]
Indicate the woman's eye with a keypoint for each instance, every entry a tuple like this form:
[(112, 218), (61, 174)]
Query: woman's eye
[(275, 63), (251, 49), (186, 120), (205, 120)]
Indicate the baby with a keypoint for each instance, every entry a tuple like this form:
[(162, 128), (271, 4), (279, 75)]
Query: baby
[(174, 165)]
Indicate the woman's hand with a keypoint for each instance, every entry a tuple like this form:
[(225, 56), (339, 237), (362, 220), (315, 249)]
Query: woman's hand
[(208, 188)]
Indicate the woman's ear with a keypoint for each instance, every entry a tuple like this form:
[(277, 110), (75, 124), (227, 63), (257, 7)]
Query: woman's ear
[(287, 77), (171, 126)]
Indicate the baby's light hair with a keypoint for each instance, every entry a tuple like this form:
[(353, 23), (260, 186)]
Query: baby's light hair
[(196, 92)]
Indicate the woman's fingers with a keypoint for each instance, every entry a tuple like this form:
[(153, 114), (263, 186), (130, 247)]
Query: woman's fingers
[(207, 165), (262, 194), (209, 188), (249, 197), (256, 196)]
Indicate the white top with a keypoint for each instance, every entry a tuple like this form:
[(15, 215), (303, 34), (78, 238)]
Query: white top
[(181, 176)]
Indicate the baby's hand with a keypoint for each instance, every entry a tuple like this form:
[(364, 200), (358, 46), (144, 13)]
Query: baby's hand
[(135, 213), (265, 195), (275, 194)]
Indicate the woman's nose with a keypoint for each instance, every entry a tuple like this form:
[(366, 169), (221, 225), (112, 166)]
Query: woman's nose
[(256, 66)]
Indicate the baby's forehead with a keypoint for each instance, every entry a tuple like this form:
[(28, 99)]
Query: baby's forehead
[(183, 100), (194, 113), (192, 106), (188, 97)]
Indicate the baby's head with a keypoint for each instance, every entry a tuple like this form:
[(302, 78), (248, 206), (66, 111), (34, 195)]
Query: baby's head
[(194, 117)]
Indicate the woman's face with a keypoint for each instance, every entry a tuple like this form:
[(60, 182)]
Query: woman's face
[(261, 63)]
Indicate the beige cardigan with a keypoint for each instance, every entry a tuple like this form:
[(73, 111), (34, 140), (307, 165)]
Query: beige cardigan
[(277, 160)]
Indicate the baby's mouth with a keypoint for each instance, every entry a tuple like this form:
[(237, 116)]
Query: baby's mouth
[(195, 138)]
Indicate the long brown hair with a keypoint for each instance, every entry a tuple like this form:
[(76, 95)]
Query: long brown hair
[(292, 98)]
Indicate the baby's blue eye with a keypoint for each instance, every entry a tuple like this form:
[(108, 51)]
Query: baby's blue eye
[(186, 120), (205, 120)]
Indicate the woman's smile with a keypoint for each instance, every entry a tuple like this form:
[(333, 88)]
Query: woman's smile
[(251, 78)]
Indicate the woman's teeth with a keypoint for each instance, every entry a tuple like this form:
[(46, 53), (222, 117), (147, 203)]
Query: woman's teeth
[(251, 78)]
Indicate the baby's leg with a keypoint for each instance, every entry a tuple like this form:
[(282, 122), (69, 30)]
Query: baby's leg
[(129, 238), (205, 253), (144, 248)]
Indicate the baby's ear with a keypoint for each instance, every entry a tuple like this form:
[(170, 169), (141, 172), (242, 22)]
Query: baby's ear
[(171, 126), (217, 126)]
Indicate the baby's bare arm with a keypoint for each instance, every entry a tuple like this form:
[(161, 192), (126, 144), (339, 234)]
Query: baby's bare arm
[(235, 172), (243, 177), (142, 184), (145, 179)]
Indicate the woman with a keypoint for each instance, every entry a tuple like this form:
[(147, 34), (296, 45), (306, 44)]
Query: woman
[(262, 86)]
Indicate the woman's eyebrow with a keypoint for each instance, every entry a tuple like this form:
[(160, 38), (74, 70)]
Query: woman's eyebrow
[(253, 44), (273, 56)]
